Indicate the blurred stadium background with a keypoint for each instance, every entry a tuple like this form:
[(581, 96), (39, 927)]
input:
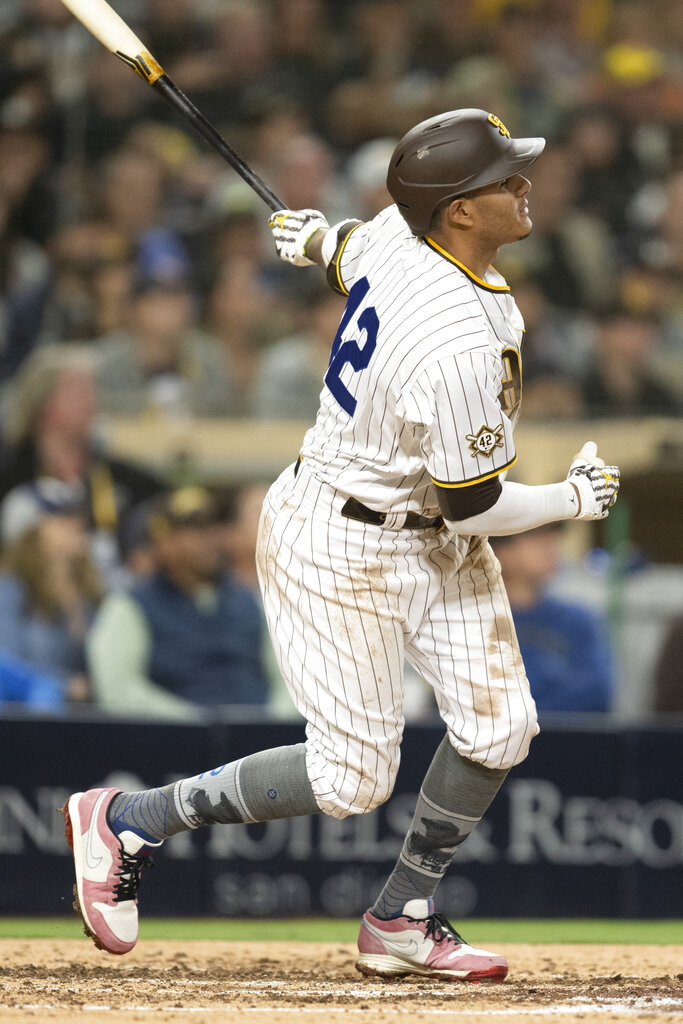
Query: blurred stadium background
[(150, 341)]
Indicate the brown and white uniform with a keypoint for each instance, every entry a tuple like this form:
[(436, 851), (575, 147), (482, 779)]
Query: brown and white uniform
[(422, 392)]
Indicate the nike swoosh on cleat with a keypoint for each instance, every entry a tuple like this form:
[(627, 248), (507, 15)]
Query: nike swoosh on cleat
[(91, 858), (405, 948)]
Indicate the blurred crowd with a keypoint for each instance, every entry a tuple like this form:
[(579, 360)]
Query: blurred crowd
[(137, 277), (122, 231)]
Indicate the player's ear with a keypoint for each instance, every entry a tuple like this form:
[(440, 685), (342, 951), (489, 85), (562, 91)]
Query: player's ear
[(458, 214)]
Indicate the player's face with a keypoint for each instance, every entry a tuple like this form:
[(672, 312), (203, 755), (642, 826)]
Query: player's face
[(502, 210)]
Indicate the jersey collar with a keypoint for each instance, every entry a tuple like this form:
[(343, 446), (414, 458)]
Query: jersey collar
[(468, 273)]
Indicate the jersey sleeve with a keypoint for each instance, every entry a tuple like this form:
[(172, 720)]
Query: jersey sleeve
[(342, 268), (466, 438)]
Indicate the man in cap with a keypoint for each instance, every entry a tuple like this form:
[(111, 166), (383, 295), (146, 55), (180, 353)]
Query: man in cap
[(187, 635), (373, 547)]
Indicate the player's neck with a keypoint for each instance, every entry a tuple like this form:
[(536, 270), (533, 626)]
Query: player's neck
[(473, 255)]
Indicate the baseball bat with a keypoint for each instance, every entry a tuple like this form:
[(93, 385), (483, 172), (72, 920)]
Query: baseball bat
[(112, 31)]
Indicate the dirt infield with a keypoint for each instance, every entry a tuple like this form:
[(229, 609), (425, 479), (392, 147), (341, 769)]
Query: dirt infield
[(232, 983)]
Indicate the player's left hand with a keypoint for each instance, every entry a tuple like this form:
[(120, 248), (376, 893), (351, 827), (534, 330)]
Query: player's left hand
[(595, 484), (292, 229)]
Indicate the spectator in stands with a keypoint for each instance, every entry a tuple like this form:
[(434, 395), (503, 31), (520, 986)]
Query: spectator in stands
[(599, 142), (668, 677), (305, 173), (367, 174), (241, 530), (239, 544), (25, 180), (74, 300), (620, 381), (24, 271), (509, 74), (672, 221), (564, 646), (163, 364), (232, 228), (137, 550), (90, 163), (27, 216), (113, 106), (22, 686), (571, 251), (48, 430), (305, 37), (46, 38), (240, 316), (175, 30), (49, 590), (556, 349), (657, 290), (133, 193), (235, 64), (381, 91), (291, 371), (189, 635), (274, 120)]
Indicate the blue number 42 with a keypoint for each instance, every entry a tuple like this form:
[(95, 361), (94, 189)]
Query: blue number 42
[(350, 351)]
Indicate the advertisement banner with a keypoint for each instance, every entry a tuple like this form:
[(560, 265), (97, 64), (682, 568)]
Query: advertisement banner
[(590, 825)]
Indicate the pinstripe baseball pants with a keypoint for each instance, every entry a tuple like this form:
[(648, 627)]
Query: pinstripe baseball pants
[(346, 602)]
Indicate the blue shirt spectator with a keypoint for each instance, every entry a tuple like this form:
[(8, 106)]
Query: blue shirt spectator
[(49, 589), (566, 655), (42, 644), (24, 686), (187, 636), (565, 646)]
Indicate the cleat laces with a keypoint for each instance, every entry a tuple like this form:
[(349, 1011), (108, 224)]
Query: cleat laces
[(129, 874), (439, 929)]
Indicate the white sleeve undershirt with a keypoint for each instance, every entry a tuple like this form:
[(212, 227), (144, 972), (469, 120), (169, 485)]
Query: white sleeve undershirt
[(522, 507)]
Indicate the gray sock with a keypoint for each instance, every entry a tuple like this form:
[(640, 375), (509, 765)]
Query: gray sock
[(454, 796), (260, 787)]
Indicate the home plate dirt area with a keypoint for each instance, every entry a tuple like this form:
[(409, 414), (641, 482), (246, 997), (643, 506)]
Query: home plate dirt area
[(210, 982)]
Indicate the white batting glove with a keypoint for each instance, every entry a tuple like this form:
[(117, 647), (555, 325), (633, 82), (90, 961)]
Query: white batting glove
[(292, 229), (595, 484)]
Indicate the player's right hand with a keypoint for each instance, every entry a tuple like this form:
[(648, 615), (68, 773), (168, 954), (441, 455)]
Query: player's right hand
[(292, 229), (596, 485)]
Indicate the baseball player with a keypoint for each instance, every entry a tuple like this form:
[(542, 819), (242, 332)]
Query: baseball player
[(373, 548)]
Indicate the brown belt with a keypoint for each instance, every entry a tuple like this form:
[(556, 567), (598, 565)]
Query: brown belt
[(413, 521)]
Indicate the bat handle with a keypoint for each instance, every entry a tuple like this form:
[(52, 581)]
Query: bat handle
[(175, 96)]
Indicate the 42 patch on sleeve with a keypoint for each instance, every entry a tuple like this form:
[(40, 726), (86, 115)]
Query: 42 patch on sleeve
[(486, 440)]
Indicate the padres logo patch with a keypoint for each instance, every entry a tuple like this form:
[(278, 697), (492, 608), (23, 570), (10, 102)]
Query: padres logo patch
[(496, 121), (486, 440)]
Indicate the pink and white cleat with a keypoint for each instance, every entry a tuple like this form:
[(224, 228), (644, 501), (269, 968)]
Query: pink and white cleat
[(107, 871), (422, 942)]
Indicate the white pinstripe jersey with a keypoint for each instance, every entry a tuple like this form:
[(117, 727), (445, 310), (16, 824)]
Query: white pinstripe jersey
[(424, 380)]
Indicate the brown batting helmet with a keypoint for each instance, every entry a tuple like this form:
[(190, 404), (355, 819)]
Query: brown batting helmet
[(449, 155)]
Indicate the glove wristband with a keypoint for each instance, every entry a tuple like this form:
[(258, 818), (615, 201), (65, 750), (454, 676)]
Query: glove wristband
[(577, 492), (318, 227), (331, 241)]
